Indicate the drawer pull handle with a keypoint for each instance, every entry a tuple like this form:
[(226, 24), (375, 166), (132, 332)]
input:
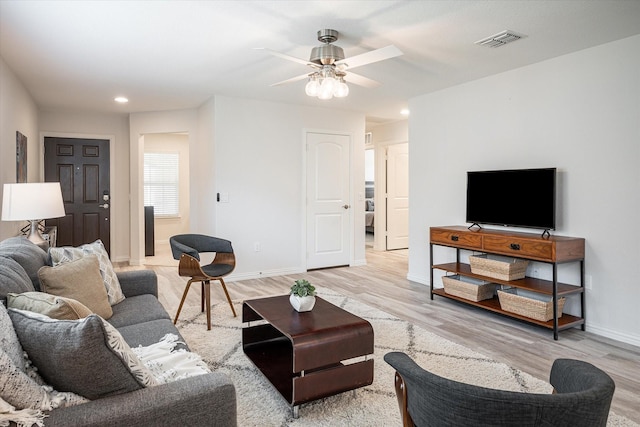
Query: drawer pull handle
[(454, 238), (515, 246)]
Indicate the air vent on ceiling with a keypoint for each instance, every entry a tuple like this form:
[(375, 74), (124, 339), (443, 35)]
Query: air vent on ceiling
[(500, 39)]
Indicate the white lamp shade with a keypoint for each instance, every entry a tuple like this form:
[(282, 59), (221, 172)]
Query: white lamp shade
[(32, 201)]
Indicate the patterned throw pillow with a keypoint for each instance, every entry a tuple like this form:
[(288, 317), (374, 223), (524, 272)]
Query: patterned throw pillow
[(111, 282), (56, 307), (68, 353)]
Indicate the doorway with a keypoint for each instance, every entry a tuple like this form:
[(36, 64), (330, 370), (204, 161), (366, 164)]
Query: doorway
[(391, 196), (166, 190), (82, 166)]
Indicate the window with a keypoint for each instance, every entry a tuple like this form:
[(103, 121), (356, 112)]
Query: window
[(161, 183)]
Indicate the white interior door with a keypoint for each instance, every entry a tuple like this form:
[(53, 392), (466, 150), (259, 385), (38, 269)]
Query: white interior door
[(328, 200), (398, 196)]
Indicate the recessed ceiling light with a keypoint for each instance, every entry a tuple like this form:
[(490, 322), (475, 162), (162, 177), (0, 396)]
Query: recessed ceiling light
[(404, 112), (121, 99)]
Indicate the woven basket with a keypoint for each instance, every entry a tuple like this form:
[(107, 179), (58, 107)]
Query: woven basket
[(468, 288), (502, 268), (529, 307)]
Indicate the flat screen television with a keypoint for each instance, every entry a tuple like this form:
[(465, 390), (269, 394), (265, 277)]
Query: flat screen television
[(516, 198)]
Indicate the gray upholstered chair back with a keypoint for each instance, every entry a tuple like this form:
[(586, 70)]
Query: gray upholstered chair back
[(583, 398), (195, 244)]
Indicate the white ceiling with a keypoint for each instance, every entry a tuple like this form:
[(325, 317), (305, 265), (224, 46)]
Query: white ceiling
[(165, 55)]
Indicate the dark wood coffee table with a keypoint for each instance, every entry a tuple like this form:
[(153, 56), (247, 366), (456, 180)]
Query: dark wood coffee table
[(302, 354)]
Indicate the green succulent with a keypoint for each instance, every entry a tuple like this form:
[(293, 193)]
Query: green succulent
[(303, 288)]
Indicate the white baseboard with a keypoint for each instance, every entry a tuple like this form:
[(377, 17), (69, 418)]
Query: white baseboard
[(358, 262), (418, 279), (260, 274), (614, 335)]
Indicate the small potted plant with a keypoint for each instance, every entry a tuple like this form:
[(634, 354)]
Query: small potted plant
[(302, 295)]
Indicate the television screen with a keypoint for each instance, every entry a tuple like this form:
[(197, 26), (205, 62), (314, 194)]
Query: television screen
[(518, 198)]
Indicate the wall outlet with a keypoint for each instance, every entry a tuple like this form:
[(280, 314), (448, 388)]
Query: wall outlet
[(588, 282), (257, 247)]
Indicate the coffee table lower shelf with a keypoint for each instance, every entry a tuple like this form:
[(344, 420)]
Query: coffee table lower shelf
[(274, 358)]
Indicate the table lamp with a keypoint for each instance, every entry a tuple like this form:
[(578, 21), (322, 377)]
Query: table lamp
[(33, 201)]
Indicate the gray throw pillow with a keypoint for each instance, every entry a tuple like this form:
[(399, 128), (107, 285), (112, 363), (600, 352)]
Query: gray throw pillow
[(88, 357), (13, 278), (26, 253)]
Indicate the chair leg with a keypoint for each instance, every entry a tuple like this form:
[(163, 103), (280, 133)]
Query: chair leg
[(207, 298), (202, 296), (224, 288), (184, 297)]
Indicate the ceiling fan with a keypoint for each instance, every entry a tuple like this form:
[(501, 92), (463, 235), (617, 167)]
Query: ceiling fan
[(331, 70)]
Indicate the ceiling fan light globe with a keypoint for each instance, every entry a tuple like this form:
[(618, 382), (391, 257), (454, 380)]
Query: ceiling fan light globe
[(325, 92), (311, 89), (328, 84), (341, 90)]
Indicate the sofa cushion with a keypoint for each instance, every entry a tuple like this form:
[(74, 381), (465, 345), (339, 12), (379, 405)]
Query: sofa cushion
[(53, 306), (148, 333), (87, 356), (26, 253), (13, 278), (137, 309), (111, 283), (79, 280)]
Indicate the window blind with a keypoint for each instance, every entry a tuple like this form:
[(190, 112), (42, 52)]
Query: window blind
[(161, 183)]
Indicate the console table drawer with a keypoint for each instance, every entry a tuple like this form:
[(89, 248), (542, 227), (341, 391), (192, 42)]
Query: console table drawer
[(542, 250), (453, 238)]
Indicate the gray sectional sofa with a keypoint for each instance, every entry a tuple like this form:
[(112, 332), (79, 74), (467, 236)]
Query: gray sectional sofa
[(207, 400)]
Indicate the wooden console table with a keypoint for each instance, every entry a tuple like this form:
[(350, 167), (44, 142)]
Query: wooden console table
[(553, 250)]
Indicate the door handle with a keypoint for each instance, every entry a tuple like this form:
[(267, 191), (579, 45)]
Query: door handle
[(105, 206), (346, 206)]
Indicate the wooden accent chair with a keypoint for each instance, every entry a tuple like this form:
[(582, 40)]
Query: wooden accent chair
[(582, 397), (187, 248)]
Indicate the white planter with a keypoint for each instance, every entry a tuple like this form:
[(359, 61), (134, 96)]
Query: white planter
[(302, 303)]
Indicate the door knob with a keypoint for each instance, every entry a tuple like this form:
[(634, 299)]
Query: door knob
[(105, 206), (346, 206)]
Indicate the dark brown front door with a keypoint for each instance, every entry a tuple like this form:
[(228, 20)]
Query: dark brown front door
[(82, 168)]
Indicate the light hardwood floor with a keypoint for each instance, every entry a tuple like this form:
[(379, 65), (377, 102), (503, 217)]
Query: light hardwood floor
[(382, 283)]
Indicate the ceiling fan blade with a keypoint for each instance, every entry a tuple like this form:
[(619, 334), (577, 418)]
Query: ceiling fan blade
[(288, 57), (291, 80), (360, 80), (369, 57)]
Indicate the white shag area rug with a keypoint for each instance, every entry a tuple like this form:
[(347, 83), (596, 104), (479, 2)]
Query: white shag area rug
[(259, 404)]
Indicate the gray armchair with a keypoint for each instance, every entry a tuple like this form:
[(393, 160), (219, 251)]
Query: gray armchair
[(582, 397)]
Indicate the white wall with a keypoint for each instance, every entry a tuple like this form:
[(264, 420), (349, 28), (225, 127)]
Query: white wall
[(165, 227), (259, 157), (18, 112), (580, 113), (108, 126)]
